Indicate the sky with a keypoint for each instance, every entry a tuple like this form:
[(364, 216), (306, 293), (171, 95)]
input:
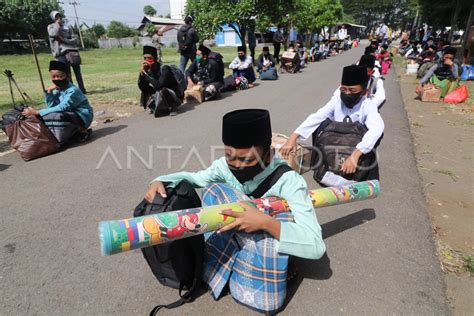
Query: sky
[(104, 11)]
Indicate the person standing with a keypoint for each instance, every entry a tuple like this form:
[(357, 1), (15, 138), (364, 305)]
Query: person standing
[(64, 47), (252, 44), (187, 39), (278, 39), (156, 41)]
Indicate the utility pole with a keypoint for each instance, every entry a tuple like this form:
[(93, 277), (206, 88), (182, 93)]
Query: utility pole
[(74, 3)]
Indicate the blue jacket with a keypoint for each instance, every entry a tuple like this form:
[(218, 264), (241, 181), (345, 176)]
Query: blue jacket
[(70, 99)]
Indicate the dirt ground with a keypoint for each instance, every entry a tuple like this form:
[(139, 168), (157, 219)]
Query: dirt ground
[(444, 147)]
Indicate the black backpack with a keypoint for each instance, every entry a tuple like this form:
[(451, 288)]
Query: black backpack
[(220, 62), (333, 143), (179, 77), (176, 264), (183, 38)]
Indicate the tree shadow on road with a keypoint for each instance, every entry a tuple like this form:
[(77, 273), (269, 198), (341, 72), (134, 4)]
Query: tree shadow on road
[(321, 269)]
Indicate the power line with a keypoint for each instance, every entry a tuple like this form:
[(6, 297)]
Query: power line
[(74, 3), (99, 20)]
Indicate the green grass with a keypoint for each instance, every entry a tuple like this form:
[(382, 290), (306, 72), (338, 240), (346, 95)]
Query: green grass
[(447, 173), (110, 75), (469, 263)]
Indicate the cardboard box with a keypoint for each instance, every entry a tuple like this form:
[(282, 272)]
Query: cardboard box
[(430, 93), (300, 161)]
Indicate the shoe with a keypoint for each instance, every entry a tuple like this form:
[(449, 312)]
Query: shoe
[(174, 112), (84, 136)]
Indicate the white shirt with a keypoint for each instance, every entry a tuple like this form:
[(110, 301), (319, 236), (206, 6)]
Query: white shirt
[(365, 112), (342, 33), (241, 65)]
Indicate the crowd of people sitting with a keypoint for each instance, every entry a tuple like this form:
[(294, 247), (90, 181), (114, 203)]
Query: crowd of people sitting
[(204, 79), (351, 117), (436, 62)]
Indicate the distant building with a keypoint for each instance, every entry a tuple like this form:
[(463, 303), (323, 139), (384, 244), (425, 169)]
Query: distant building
[(177, 9), (227, 37), (168, 27)]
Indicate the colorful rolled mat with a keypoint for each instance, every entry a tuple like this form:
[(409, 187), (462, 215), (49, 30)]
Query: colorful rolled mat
[(127, 234)]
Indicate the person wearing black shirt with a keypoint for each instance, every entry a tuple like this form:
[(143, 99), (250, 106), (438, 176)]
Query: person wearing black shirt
[(160, 90), (187, 39), (278, 39), (207, 71), (266, 65)]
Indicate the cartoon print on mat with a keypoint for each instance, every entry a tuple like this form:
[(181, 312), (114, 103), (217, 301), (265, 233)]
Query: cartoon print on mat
[(188, 223), (152, 227)]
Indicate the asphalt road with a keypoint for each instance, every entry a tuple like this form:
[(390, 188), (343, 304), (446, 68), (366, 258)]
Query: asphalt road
[(380, 258)]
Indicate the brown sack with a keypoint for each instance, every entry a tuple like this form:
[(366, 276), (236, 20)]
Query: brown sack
[(300, 161), (31, 138), (430, 93)]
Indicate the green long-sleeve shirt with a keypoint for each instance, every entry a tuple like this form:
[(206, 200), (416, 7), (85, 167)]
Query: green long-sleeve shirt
[(301, 238)]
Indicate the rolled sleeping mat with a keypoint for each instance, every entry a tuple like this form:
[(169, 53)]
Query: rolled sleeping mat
[(118, 236)]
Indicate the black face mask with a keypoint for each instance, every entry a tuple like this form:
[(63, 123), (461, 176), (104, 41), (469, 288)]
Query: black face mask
[(350, 100), (244, 174), (61, 83), (242, 58)]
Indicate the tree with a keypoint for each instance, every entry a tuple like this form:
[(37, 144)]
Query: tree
[(310, 16), (98, 30), (118, 29), (394, 13), (22, 17), (439, 14), (209, 16), (150, 28), (149, 10)]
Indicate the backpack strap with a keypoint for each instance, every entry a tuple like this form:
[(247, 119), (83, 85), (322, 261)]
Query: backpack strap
[(187, 297), (270, 181)]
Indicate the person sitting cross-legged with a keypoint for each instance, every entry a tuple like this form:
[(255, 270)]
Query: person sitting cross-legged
[(266, 65), (205, 75), (242, 69), (68, 113), (354, 104), (251, 254), (446, 69)]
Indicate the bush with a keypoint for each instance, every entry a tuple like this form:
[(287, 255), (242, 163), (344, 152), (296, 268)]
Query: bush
[(135, 41)]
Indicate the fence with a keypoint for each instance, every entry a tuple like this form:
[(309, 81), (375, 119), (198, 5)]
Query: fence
[(168, 39)]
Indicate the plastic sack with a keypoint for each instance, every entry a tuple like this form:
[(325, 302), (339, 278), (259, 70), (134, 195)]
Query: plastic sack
[(457, 96), (31, 138)]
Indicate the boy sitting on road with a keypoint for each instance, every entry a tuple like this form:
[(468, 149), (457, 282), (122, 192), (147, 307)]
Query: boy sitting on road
[(242, 67), (256, 244), (353, 101)]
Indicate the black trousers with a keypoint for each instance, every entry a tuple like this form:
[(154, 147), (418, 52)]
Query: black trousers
[(276, 52)]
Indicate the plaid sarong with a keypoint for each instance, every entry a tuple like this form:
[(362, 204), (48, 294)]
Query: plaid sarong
[(249, 261)]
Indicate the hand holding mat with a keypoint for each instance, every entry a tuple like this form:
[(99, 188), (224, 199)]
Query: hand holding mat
[(121, 235)]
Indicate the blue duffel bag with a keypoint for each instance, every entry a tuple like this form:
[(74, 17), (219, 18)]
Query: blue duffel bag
[(270, 74)]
